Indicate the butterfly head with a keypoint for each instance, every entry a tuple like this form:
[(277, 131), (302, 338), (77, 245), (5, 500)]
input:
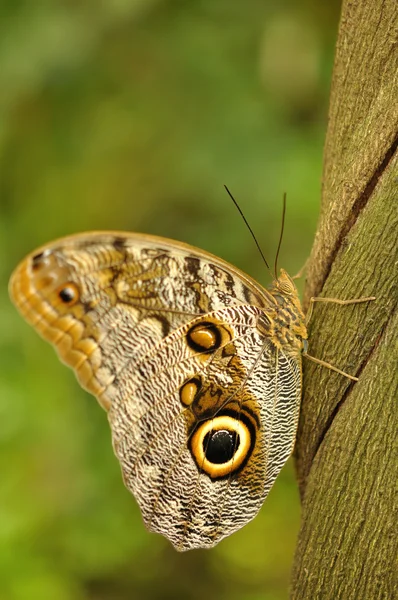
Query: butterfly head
[(284, 284)]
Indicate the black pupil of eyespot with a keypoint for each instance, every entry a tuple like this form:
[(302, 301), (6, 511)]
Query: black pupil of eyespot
[(67, 294), (220, 446)]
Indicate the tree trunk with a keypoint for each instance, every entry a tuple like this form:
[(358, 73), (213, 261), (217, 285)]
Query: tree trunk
[(347, 449)]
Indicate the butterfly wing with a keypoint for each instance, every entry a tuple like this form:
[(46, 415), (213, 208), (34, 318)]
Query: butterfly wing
[(173, 342)]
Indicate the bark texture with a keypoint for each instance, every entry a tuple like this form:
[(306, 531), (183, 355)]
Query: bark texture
[(347, 448)]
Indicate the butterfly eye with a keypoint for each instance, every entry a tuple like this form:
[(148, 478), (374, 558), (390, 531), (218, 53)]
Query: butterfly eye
[(69, 294), (204, 337), (285, 287), (222, 445)]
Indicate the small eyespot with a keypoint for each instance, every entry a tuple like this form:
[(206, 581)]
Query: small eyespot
[(189, 390), (69, 294), (204, 337)]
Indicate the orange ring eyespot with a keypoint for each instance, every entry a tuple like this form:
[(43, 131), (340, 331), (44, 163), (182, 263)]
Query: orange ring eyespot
[(189, 390), (222, 445), (204, 337)]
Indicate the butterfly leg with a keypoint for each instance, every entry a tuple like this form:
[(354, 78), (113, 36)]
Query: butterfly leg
[(334, 301), (308, 317), (329, 366)]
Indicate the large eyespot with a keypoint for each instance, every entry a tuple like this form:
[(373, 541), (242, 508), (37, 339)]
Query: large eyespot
[(204, 337), (189, 390), (69, 294), (222, 445)]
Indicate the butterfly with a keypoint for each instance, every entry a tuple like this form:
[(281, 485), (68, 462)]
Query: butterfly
[(197, 365)]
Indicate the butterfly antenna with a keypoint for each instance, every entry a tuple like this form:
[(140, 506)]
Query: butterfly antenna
[(250, 229), (281, 235)]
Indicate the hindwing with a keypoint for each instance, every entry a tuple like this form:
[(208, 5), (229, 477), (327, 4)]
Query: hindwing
[(180, 348)]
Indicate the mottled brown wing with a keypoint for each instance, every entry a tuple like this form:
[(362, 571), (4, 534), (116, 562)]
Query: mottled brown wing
[(172, 341)]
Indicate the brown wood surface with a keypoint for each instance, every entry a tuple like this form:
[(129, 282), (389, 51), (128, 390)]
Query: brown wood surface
[(347, 445)]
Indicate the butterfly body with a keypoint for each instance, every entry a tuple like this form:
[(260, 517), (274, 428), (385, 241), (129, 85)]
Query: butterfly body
[(196, 364)]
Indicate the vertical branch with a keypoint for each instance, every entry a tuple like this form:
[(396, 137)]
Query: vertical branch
[(346, 452)]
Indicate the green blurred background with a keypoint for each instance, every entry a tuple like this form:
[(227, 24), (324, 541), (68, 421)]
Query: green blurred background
[(132, 114)]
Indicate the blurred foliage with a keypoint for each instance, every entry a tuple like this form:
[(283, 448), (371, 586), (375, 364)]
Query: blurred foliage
[(132, 114)]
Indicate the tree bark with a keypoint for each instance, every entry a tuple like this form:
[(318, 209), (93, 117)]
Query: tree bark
[(347, 449)]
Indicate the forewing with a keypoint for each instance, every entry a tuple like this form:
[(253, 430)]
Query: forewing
[(127, 292)]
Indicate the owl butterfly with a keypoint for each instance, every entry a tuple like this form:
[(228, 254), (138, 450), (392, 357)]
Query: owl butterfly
[(196, 364)]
